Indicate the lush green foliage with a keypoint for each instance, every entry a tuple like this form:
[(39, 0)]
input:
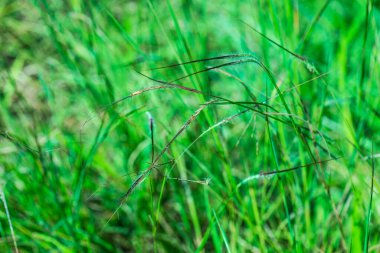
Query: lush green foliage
[(269, 146)]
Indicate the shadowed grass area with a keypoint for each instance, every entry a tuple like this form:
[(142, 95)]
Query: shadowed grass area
[(189, 126)]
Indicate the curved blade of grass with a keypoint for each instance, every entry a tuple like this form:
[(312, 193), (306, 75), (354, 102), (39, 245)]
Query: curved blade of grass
[(278, 172), (221, 57)]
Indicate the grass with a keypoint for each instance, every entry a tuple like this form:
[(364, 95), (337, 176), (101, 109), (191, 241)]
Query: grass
[(189, 126)]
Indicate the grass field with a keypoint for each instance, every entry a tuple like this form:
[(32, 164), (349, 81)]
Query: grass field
[(189, 126)]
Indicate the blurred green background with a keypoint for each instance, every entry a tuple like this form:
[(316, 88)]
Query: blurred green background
[(297, 84)]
